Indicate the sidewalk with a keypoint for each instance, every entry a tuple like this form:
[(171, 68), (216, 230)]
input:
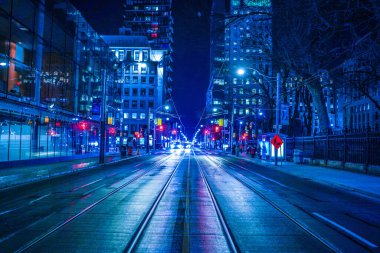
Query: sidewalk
[(368, 185), (13, 176)]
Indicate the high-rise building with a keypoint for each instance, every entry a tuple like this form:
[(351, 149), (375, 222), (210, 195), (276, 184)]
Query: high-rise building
[(51, 65), (152, 19), (241, 40), (138, 73)]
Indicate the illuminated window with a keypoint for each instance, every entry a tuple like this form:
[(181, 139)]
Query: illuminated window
[(142, 116), (143, 68), (136, 55), (145, 55), (121, 55), (126, 115), (134, 115), (135, 68), (247, 102)]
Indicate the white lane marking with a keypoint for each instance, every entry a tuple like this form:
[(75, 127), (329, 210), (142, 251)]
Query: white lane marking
[(356, 236), (25, 228), (30, 203), (8, 211), (82, 186), (42, 197)]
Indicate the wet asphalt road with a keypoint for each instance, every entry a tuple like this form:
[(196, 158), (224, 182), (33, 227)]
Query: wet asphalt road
[(261, 210)]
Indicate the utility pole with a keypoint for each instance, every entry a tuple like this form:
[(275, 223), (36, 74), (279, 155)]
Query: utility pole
[(154, 131), (278, 105), (103, 118), (148, 132), (232, 124)]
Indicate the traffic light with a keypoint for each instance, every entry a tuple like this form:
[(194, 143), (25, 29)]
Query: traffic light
[(161, 128), (217, 129)]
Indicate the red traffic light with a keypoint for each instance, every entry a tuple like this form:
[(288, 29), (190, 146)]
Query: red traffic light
[(137, 135), (161, 128), (217, 129), (83, 125)]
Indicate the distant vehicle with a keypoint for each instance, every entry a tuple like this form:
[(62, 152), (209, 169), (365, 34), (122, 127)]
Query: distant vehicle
[(176, 148)]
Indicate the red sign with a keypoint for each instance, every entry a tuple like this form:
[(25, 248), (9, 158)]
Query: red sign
[(276, 141)]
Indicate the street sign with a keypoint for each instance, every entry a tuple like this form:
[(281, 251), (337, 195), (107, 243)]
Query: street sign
[(277, 141)]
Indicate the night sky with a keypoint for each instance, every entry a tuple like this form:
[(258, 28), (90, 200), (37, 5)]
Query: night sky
[(191, 49)]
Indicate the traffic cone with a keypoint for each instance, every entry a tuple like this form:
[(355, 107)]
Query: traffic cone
[(129, 151)]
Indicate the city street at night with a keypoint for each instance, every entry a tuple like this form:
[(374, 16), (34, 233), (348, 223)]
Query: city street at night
[(190, 126), (188, 201)]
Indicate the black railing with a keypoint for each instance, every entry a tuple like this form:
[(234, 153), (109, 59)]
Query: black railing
[(361, 148)]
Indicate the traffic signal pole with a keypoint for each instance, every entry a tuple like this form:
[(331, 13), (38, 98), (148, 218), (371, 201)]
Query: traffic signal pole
[(278, 102)]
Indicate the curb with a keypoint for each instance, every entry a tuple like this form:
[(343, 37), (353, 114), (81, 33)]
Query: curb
[(323, 182), (62, 173)]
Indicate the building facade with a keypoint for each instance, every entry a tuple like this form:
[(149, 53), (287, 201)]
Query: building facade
[(357, 110), (138, 71), (52, 66), (240, 40), (152, 19)]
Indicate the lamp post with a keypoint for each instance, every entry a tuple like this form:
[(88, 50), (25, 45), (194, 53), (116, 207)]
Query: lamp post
[(154, 125), (103, 118), (278, 101)]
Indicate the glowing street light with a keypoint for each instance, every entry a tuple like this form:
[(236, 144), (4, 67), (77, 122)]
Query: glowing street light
[(240, 72)]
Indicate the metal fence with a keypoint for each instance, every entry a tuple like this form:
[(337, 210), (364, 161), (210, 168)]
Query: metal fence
[(361, 148)]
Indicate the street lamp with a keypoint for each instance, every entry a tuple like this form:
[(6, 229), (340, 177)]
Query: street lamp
[(166, 107), (278, 101), (240, 72)]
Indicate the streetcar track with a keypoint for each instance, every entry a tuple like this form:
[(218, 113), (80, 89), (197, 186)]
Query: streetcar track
[(278, 208), (344, 232), (226, 229), (137, 235), (45, 235)]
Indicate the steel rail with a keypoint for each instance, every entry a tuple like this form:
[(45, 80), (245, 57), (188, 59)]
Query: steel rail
[(340, 231), (43, 236), (232, 243), (278, 208), (137, 235)]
